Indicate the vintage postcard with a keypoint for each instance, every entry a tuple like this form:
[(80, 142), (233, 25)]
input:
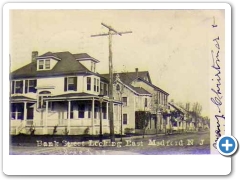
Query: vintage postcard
[(91, 80)]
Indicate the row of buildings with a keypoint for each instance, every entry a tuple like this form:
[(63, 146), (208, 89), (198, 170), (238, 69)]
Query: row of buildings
[(62, 93)]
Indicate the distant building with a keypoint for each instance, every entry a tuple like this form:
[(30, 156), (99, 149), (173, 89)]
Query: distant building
[(139, 94)]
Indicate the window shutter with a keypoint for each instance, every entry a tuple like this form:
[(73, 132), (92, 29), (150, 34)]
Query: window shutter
[(65, 84), (26, 86), (75, 83), (35, 85), (13, 86)]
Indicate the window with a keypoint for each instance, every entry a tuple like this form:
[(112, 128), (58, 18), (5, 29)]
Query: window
[(17, 87), (81, 110), (105, 89), (95, 112), (145, 102), (41, 103), (94, 67), (43, 64), (163, 101), (89, 83), (51, 106), (47, 64), (104, 111), (17, 111), (101, 88), (159, 97), (124, 101), (30, 86), (95, 84), (70, 84), (89, 111), (125, 119)]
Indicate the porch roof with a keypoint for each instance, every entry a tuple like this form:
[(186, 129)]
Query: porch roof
[(72, 95), (21, 99)]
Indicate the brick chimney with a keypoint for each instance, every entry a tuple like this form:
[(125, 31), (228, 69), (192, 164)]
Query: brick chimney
[(34, 55), (136, 69)]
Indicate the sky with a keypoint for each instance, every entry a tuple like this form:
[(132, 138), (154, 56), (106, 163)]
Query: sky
[(173, 45)]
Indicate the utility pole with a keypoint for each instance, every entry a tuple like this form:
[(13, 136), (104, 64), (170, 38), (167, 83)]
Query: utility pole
[(111, 31)]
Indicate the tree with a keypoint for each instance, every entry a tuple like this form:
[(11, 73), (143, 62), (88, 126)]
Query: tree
[(142, 120), (196, 112), (156, 107)]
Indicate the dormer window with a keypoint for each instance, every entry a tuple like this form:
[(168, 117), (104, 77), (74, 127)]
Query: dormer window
[(44, 64), (47, 64), (87, 61), (41, 64)]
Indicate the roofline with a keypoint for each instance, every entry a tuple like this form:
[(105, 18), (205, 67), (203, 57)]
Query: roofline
[(65, 98), (133, 90), (90, 58), (43, 57), (68, 73), (174, 106), (105, 98), (150, 84)]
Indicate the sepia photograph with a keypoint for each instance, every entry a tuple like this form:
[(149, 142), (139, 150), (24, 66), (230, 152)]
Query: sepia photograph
[(116, 82)]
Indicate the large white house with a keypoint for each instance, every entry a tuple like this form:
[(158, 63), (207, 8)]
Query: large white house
[(61, 93)]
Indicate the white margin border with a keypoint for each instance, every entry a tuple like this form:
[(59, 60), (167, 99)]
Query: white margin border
[(102, 165)]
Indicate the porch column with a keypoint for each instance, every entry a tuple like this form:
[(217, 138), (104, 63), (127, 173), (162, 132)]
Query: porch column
[(118, 115), (69, 115), (178, 124), (107, 110), (45, 128), (93, 110), (168, 124), (113, 115), (25, 113)]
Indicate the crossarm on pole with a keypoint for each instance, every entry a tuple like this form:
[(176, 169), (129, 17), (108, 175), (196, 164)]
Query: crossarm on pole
[(106, 34)]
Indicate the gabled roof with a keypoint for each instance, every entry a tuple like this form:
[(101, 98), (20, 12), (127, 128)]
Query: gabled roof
[(128, 77), (152, 85), (84, 57), (68, 65), (140, 90), (49, 54), (177, 108)]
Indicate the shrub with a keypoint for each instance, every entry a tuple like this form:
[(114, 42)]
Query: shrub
[(128, 130), (86, 131), (66, 131), (55, 129), (32, 130)]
